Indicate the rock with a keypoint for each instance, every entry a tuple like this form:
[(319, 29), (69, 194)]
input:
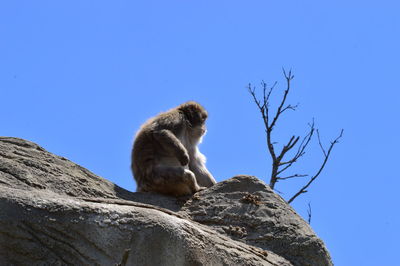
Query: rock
[(246, 209), (55, 212), (26, 165)]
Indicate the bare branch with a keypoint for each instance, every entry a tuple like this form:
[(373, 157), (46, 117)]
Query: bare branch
[(309, 213), (291, 107), (265, 87), (292, 176), (262, 107), (303, 189), (319, 141), (306, 140), (301, 150), (279, 162), (288, 77), (286, 167), (252, 91), (280, 192), (292, 142), (279, 111)]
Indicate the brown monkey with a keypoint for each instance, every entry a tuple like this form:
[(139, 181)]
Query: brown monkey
[(165, 156)]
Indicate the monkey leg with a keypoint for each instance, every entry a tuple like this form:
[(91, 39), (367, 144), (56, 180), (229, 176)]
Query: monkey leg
[(171, 143), (203, 177), (173, 180)]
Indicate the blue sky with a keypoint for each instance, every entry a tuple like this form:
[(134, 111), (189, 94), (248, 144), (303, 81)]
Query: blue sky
[(79, 77)]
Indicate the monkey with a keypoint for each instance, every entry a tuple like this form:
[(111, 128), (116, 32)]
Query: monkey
[(165, 156)]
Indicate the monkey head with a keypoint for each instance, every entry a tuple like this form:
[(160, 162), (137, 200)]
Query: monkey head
[(196, 116)]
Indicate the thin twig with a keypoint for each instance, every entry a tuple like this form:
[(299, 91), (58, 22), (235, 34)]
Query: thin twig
[(291, 176), (309, 213), (320, 144), (301, 150), (303, 189)]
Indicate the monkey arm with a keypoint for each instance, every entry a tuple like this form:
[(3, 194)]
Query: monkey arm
[(171, 143)]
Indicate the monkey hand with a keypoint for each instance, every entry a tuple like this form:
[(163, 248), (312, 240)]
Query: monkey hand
[(184, 159)]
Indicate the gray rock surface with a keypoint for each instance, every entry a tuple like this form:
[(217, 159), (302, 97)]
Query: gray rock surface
[(246, 209), (55, 212)]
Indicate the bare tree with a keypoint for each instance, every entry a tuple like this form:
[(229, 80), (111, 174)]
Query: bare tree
[(281, 161)]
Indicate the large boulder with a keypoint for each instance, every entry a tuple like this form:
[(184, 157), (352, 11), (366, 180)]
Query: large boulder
[(55, 212)]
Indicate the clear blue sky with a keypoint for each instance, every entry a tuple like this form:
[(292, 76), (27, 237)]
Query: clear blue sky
[(79, 77)]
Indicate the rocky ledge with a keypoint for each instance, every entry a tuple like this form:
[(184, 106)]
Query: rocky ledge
[(55, 212)]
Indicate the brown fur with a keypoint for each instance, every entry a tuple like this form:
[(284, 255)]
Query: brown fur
[(165, 156)]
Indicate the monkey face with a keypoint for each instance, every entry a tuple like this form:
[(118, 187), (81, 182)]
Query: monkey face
[(198, 131), (195, 114)]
